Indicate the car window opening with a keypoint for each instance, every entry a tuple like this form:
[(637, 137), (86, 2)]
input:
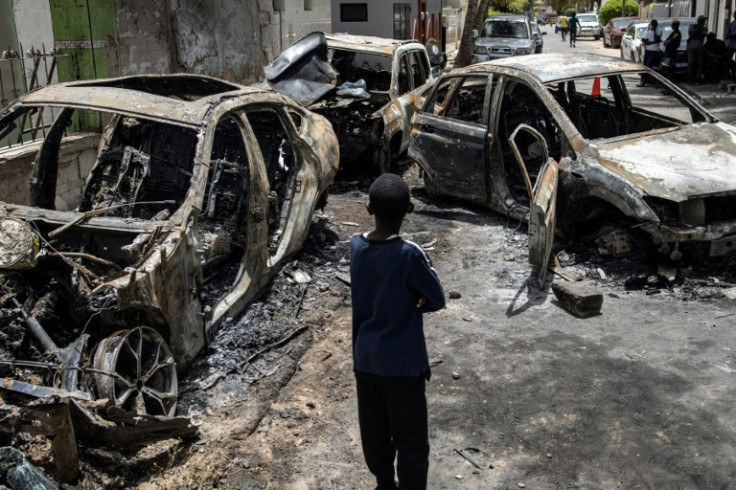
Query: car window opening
[(280, 162), (519, 104), (224, 220), (352, 67)]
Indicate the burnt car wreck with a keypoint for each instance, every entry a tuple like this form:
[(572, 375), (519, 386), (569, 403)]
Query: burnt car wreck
[(112, 279), (636, 168), (366, 86)]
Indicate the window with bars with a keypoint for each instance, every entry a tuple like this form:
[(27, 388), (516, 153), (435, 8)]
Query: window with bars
[(402, 14), (354, 12)]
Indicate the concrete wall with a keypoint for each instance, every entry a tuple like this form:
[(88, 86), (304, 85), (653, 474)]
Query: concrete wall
[(300, 17), (380, 17), (16, 170), (230, 39)]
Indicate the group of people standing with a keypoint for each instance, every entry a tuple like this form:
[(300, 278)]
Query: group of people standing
[(571, 24), (706, 54)]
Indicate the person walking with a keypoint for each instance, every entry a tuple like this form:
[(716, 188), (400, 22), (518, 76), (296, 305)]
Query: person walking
[(731, 46), (573, 24), (563, 26), (652, 53), (671, 45), (696, 50)]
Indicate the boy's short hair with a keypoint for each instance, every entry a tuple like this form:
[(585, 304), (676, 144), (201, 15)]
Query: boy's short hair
[(389, 197)]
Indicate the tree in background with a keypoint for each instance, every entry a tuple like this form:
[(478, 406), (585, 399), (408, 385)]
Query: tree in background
[(474, 17), (612, 8)]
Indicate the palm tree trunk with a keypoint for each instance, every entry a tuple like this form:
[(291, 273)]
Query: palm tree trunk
[(474, 17)]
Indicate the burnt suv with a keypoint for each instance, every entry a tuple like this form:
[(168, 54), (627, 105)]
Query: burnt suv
[(367, 87), (142, 212)]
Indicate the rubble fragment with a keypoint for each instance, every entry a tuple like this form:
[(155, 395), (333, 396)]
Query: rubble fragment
[(582, 299)]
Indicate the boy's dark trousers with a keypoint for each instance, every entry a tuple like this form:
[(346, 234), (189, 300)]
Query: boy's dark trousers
[(394, 420)]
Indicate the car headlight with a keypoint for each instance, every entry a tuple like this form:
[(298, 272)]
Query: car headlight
[(479, 50), (18, 244), (523, 51)]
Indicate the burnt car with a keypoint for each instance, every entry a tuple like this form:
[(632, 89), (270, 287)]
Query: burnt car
[(636, 168), (155, 208), (366, 86), (614, 31)]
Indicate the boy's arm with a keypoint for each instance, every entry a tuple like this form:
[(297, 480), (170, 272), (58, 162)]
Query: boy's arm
[(423, 279)]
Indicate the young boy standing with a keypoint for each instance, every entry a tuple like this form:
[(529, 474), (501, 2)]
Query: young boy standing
[(393, 284)]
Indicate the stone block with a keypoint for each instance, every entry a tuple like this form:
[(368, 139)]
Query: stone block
[(582, 299)]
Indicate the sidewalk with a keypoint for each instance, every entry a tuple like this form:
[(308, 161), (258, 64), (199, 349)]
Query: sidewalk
[(714, 99)]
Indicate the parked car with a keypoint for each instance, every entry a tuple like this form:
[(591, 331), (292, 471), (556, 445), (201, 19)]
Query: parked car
[(365, 86), (614, 31), (538, 40), (589, 25), (631, 162), (632, 48), (502, 36), (186, 195)]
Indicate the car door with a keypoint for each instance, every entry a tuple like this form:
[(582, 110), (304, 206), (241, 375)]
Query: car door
[(543, 201), (414, 80), (451, 137), (626, 41)]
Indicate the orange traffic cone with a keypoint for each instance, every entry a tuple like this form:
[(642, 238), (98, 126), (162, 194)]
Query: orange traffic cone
[(596, 92)]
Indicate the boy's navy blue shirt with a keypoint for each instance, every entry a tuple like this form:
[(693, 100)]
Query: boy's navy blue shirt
[(387, 278)]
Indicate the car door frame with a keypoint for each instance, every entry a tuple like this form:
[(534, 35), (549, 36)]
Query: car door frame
[(543, 202), (436, 129)]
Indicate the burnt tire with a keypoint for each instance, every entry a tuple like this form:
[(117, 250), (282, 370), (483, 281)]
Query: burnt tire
[(136, 371)]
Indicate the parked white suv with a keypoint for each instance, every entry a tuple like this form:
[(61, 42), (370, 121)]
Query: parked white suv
[(589, 25), (503, 36)]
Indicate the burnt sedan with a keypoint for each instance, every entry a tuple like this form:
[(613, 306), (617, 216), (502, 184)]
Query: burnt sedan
[(631, 161), (366, 86), (155, 207)]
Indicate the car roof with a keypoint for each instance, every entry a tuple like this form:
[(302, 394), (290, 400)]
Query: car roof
[(371, 44), (183, 99), (556, 66), (682, 20)]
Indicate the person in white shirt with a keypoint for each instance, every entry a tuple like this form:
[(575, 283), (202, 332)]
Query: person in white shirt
[(652, 52)]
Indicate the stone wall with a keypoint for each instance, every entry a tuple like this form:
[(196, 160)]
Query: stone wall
[(229, 39), (78, 154)]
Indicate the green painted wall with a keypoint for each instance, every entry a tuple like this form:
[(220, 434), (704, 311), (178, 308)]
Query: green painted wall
[(85, 29)]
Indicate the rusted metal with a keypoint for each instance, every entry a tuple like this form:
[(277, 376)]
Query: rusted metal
[(184, 162), (667, 168), (370, 96)]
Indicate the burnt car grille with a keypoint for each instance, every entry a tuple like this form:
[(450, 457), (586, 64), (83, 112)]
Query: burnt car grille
[(715, 210), (721, 208)]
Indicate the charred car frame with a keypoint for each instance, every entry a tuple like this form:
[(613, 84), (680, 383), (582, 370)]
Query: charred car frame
[(198, 190), (366, 86), (631, 160)]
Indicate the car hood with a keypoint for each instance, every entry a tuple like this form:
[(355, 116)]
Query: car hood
[(302, 70), (503, 41), (695, 160)]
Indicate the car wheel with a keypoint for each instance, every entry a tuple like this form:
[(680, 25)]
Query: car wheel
[(382, 158), (136, 371), (597, 38), (431, 186)]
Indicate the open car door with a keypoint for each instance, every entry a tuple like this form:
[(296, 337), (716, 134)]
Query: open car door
[(542, 199)]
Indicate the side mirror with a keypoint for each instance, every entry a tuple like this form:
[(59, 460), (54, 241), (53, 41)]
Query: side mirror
[(475, 33)]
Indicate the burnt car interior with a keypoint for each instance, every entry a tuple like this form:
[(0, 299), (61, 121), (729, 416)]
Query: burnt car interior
[(519, 104), (281, 167), (625, 112), (352, 66), (144, 162)]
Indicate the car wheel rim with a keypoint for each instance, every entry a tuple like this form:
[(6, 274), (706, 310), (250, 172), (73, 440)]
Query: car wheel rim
[(136, 371)]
